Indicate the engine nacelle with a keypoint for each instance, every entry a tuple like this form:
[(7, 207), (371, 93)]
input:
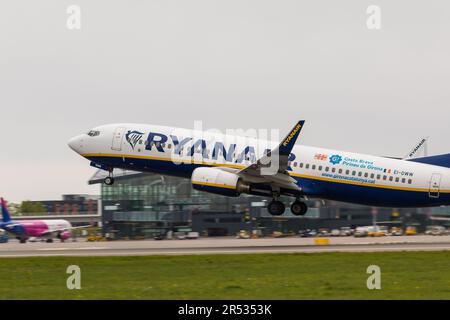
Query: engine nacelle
[(218, 181)]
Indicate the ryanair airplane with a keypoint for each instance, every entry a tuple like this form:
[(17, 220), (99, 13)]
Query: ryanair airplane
[(230, 165)]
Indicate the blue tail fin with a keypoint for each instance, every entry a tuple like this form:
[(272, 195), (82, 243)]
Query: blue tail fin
[(5, 214), (442, 160)]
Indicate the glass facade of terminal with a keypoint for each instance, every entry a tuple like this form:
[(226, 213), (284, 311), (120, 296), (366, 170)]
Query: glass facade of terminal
[(157, 193)]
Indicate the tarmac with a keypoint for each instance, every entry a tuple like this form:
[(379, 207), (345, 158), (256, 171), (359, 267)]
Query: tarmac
[(224, 245)]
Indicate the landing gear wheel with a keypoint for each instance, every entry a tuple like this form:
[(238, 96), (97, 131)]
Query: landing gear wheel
[(109, 181), (276, 208), (49, 240), (23, 240), (299, 208)]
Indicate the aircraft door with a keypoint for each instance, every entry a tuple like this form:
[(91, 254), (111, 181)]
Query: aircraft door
[(435, 185), (118, 138)]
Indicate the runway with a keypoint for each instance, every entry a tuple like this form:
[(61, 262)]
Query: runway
[(225, 245)]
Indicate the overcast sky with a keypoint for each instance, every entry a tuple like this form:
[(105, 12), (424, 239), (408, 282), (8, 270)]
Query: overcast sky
[(231, 64)]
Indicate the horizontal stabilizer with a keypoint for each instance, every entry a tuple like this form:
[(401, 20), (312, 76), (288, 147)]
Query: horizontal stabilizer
[(442, 160)]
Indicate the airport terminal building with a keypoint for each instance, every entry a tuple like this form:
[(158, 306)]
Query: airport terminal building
[(143, 205)]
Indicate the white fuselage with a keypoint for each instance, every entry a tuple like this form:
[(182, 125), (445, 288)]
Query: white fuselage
[(322, 173)]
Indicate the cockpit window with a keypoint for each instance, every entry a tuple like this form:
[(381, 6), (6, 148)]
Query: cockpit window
[(93, 133)]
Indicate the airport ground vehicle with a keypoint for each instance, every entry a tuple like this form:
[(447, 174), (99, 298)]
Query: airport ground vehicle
[(436, 231), (243, 235), (192, 235), (323, 232), (396, 231), (346, 231), (309, 233), (377, 231), (179, 235), (95, 238), (335, 233), (361, 232), (411, 231), (279, 234)]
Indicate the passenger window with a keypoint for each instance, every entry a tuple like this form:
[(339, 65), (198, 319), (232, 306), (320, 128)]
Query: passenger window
[(169, 146), (403, 180), (354, 173), (333, 170), (307, 166), (327, 169), (320, 168), (384, 178), (340, 170), (409, 181), (378, 176), (366, 175), (301, 165), (313, 167), (295, 164), (397, 179), (391, 178), (360, 174), (372, 176)]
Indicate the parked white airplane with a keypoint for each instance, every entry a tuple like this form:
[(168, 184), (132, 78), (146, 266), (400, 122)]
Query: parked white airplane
[(232, 165)]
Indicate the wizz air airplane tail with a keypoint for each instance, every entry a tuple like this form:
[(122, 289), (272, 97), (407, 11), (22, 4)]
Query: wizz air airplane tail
[(232, 165), (5, 213)]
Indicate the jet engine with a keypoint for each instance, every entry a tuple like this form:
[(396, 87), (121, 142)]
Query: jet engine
[(218, 181)]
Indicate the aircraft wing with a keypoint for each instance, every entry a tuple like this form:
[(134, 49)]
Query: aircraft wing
[(272, 167), (12, 225)]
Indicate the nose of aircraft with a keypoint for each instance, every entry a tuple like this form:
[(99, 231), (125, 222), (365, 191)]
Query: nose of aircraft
[(76, 143)]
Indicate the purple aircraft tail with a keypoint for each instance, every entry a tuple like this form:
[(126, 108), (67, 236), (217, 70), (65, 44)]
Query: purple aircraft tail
[(5, 214)]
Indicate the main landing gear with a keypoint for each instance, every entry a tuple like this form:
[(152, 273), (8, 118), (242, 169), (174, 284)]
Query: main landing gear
[(109, 180), (277, 208), (299, 208)]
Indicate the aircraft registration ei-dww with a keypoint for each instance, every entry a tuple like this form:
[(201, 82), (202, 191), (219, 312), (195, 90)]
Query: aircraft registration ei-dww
[(231, 165)]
